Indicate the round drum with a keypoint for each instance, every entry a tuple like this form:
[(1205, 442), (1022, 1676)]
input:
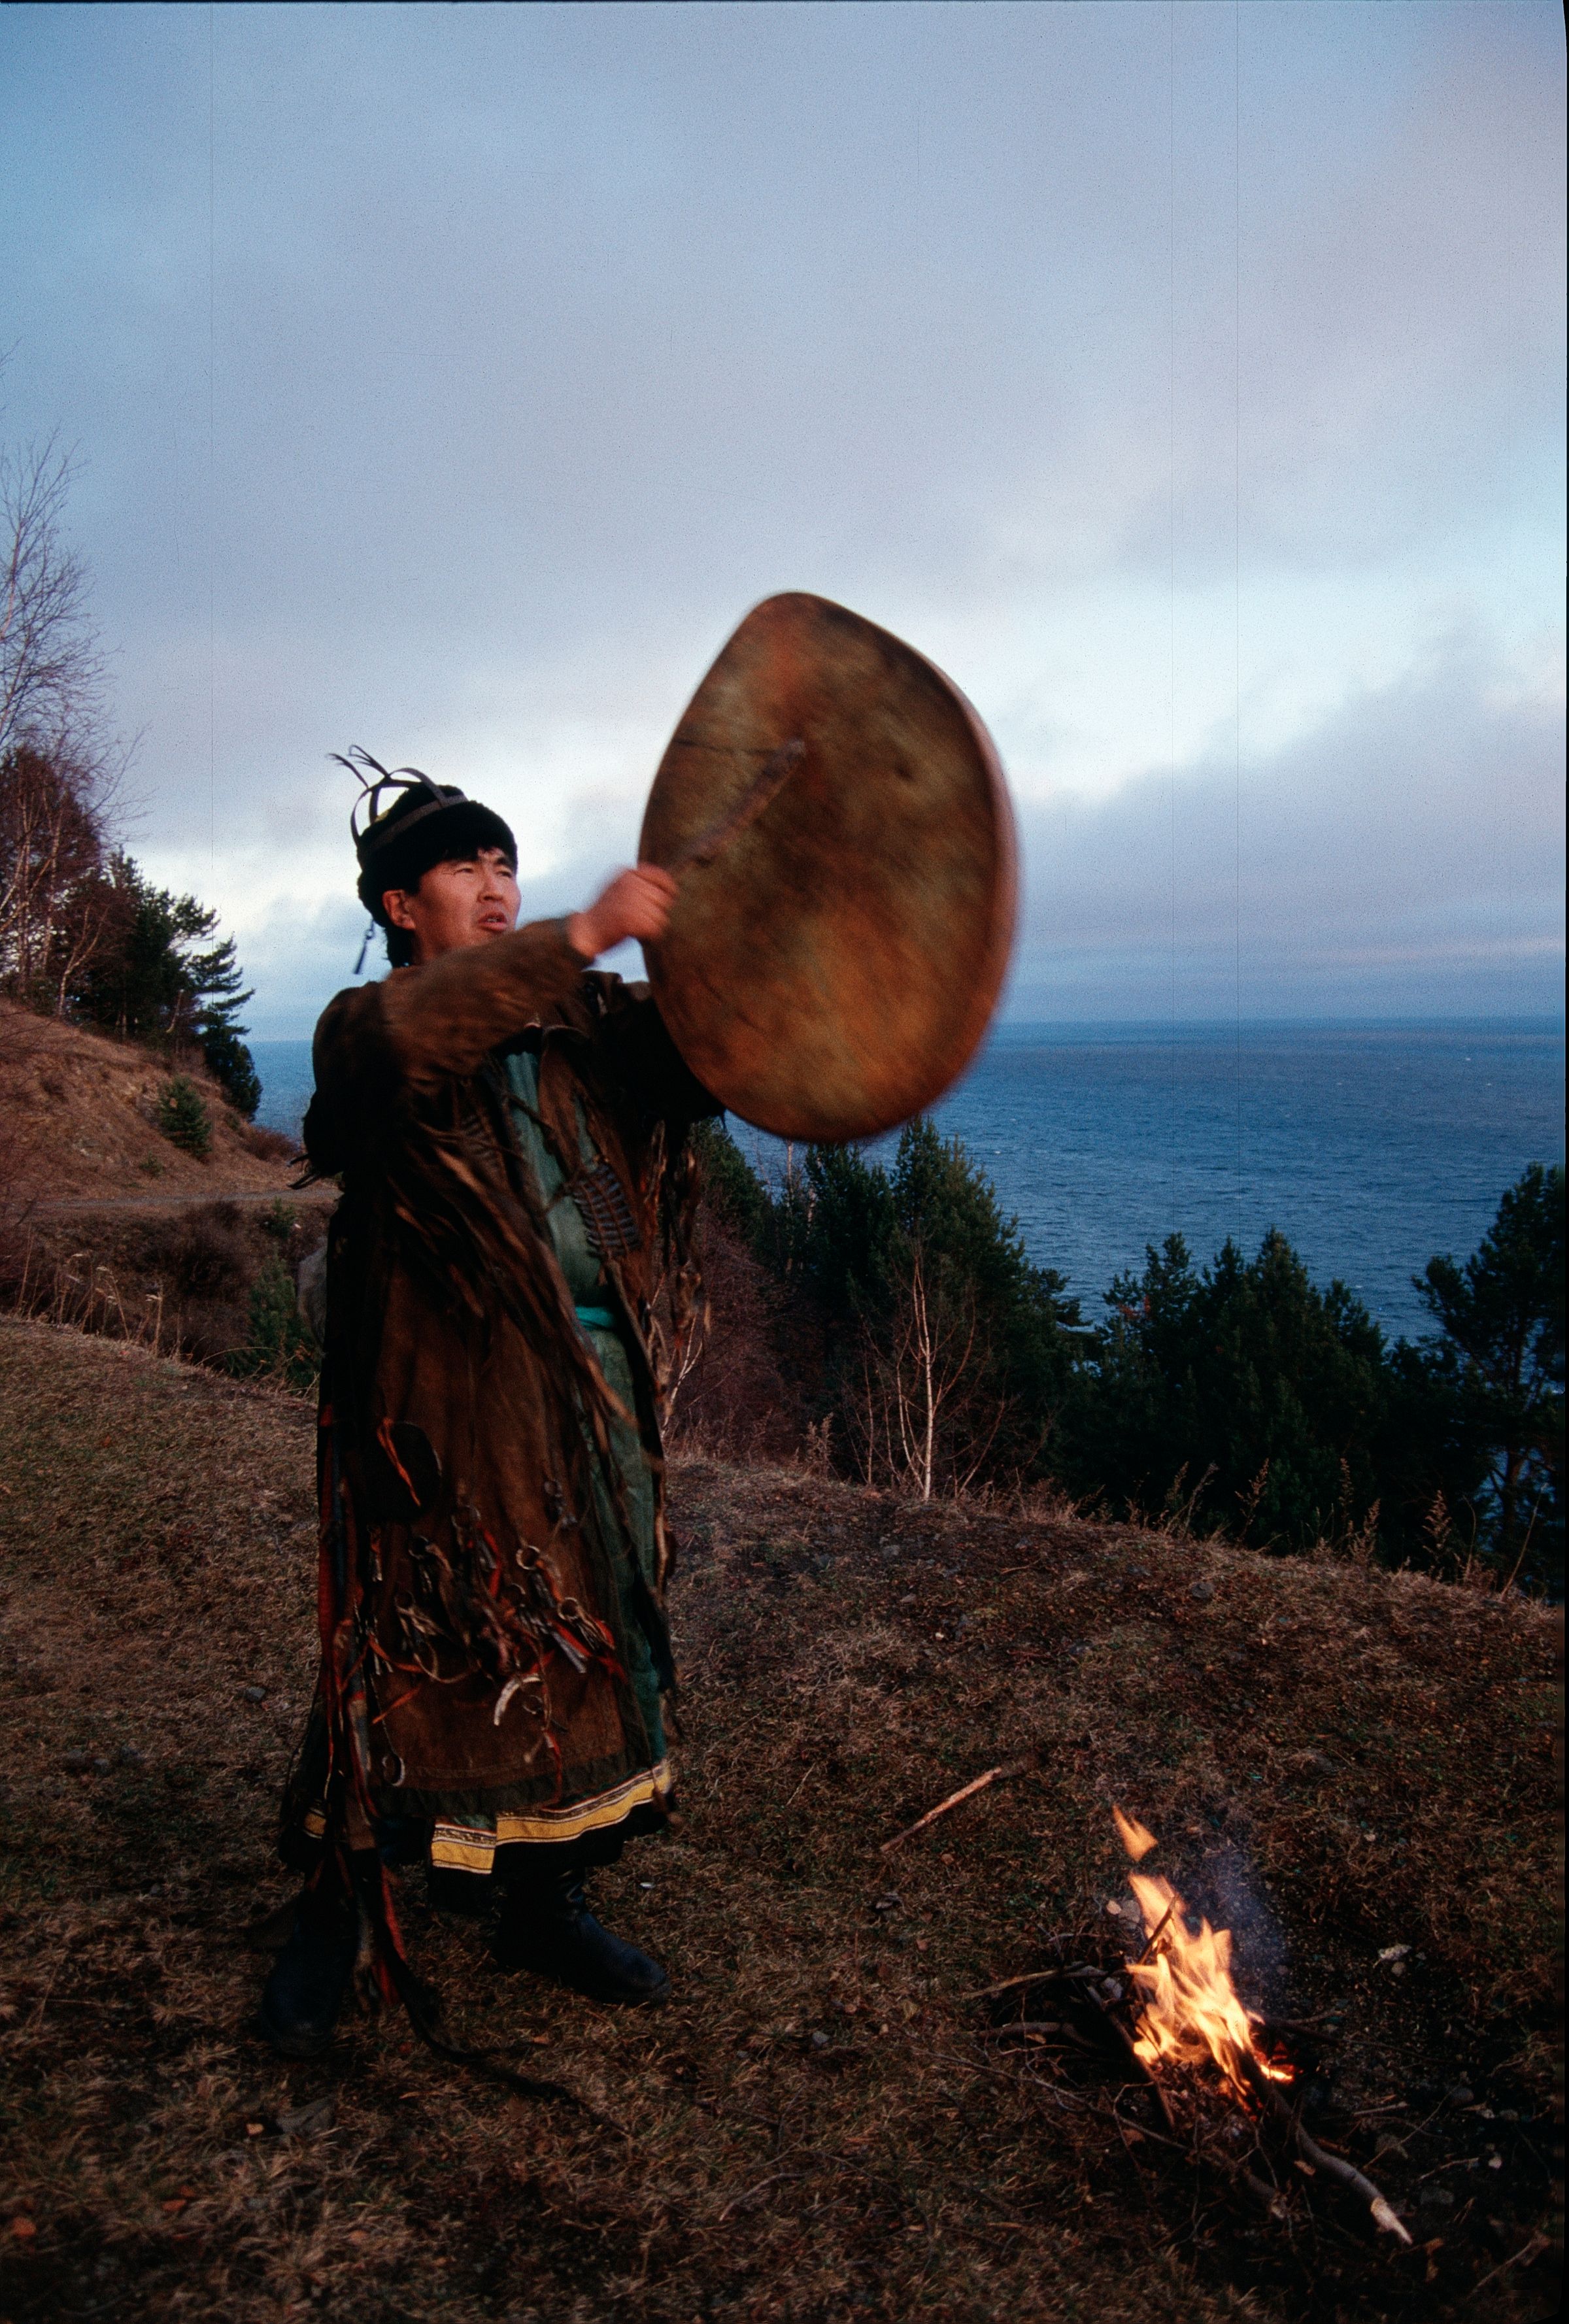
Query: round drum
[(844, 842)]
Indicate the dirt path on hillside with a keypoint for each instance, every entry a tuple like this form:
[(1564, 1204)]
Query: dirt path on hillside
[(85, 1205), (820, 2125)]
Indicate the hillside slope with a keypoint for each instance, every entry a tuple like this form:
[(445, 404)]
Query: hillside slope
[(79, 1114), (822, 2123)]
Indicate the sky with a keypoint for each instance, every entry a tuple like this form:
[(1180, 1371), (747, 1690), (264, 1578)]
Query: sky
[(1187, 381)]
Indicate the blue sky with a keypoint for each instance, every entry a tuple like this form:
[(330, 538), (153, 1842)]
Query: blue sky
[(1187, 380)]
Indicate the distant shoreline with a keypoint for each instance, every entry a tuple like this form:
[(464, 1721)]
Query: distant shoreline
[(1164, 1027)]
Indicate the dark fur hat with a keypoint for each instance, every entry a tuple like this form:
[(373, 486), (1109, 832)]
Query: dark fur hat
[(427, 824)]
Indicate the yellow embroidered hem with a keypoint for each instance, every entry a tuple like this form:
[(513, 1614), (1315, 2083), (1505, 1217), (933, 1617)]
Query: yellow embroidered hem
[(471, 1847)]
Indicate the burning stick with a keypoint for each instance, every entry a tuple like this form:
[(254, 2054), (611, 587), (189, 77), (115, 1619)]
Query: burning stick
[(1193, 2013), (1335, 2166), (966, 1792)]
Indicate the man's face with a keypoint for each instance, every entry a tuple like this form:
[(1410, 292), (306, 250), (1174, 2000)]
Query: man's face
[(458, 904)]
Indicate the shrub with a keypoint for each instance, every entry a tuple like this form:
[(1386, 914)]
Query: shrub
[(278, 1344), (184, 1119), (204, 1253), (269, 1145)]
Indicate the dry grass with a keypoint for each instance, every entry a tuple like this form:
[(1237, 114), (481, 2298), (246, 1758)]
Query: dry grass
[(812, 2129), (176, 1279), (82, 1111)]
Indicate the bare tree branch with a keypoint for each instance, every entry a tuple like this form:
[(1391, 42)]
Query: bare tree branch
[(51, 667)]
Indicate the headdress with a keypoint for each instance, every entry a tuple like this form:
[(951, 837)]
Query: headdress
[(427, 823)]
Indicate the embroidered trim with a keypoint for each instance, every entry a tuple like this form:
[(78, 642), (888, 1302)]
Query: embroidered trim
[(471, 1847), (601, 1197)]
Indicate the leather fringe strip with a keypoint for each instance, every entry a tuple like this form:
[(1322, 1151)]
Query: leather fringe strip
[(421, 2005)]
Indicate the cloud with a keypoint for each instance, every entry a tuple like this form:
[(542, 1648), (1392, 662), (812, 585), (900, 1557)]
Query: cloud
[(1403, 859), (523, 349)]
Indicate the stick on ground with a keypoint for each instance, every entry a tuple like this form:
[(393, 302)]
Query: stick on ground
[(1334, 2166), (966, 1792)]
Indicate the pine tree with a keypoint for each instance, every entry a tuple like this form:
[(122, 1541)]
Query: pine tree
[(1501, 1354), (1242, 1393), (158, 978), (183, 1119)]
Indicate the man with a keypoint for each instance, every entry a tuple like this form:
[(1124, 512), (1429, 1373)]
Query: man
[(508, 1129)]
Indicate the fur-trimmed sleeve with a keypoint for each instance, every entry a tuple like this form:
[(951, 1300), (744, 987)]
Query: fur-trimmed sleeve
[(379, 1044)]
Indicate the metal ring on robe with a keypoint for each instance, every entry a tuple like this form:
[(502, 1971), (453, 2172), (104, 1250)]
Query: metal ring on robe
[(846, 845)]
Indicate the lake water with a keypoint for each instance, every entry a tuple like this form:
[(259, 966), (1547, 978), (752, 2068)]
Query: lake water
[(1371, 1147)]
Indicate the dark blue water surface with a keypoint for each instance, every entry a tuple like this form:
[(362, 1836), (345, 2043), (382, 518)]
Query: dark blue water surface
[(1371, 1147)]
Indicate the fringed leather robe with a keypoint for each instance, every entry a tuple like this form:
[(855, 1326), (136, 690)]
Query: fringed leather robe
[(486, 1587)]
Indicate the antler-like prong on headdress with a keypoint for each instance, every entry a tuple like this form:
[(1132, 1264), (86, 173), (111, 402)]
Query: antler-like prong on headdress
[(400, 780)]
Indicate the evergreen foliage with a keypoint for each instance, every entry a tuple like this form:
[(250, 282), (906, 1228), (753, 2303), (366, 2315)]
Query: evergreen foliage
[(183, 1119), (158, 977), (731, 1186), (1499, 1366), (278, 1343), (1240, 1395), (945, 1352)]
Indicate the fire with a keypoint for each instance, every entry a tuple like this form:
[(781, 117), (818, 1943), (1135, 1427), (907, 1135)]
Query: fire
[(1190, 2009)]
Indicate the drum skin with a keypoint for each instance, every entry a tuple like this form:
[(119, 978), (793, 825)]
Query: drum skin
[(836, 965)]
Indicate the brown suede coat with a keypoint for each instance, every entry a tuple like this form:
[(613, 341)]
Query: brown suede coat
[(472, 1623)]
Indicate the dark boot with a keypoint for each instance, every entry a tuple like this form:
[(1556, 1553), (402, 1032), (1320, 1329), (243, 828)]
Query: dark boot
[(302, 1998), (547, 1927), (467, 1895)]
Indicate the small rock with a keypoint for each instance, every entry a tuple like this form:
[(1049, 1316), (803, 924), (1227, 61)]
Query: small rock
[(102, 1766), (819, 2040), (128, 1756), (1318, 1763), (889, 1903), (1202, 1590), (1394, 1952), (1436, 2198), (1111, 1989), (252, 1695), (77, 1762), (307, 2121), (1460, 2094)]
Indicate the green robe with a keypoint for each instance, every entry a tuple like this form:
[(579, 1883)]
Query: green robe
[(632, 1541)]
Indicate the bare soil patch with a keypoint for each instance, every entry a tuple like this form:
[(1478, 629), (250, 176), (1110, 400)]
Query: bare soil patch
[(822, 2124)]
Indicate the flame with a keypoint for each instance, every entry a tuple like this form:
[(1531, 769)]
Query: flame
[(1190, 2009), (1134, 1835)]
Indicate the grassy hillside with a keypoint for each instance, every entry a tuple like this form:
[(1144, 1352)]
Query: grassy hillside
[(80, 1122), (823, 2122)]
